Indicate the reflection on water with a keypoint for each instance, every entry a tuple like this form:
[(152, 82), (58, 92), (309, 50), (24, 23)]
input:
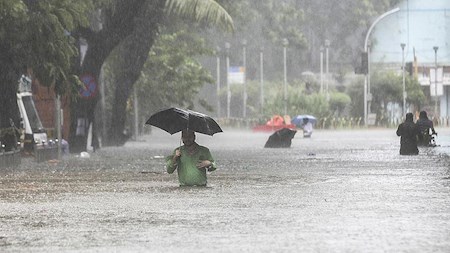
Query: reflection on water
[(338, 191)]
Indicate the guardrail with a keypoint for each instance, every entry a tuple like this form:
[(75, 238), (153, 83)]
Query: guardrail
[(10, 159), (45, 153), (329, 123)]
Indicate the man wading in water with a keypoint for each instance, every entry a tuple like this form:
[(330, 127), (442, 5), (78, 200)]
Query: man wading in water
[(408, 132), (191, 161)]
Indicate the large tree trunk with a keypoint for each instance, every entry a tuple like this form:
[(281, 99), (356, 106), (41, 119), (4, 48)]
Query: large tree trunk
[(120, 23), (8, 107), (133, 55)]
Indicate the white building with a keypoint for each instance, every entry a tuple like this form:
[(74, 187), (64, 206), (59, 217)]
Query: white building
[(421, 25)]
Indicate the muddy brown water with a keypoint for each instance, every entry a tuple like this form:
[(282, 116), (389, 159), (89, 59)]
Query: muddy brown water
[(339, 191)]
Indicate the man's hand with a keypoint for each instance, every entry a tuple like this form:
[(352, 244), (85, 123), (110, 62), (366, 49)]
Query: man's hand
[(203, 164), (176, 156)]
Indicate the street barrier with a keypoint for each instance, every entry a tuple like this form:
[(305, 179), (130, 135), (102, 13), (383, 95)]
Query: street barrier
[(9, 159)]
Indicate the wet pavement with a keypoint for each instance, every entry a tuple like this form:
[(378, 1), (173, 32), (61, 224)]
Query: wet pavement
[(339, 191)]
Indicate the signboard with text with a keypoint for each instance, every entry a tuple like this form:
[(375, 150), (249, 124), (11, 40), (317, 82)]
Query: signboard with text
[(439, 89), (236, 75)]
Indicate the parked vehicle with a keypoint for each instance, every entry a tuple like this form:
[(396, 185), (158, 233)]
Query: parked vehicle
[(34, 136)]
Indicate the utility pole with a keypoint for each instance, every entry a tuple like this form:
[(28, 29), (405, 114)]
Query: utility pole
[(403, 76), (244, 112), (218, 80), (285, 44), (435, 48), (227, 48)]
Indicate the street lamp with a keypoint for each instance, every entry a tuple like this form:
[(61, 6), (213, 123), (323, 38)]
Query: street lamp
[(261, 74), (244, 113), (321, 69), (327, 45), (285, 44), (218, 80), (227, 48), (435, 48), (403, 76), (367, 95)]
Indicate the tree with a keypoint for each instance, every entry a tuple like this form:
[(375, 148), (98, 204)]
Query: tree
[(388, 87), (36, 35), (171, 75), (130, 26)]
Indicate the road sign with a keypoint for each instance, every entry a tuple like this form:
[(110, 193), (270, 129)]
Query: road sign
[(90, 86), (236, 75)]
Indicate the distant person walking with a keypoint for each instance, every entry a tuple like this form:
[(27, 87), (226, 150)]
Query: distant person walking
[(408, 132), (307, 128), (191, 161), (425, 126)]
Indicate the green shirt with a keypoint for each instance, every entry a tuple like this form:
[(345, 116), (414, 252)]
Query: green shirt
[(188, 173)]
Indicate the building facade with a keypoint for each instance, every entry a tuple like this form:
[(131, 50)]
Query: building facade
[(424, 27)]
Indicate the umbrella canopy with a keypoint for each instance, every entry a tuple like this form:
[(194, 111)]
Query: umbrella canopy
[(298, 120), (281, 138), (174, 120)]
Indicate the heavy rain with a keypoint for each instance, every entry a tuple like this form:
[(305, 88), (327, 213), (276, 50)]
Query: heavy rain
[(339, 191), (324, 126)]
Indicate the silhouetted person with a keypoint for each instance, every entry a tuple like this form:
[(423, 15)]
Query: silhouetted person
[(281, 138), (425, 126), (408, 132)]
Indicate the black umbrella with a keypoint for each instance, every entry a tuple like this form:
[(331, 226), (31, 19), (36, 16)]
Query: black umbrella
[(174, 120), (281, 138)]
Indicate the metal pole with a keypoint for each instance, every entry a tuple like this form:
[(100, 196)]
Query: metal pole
[(403, 76), (261, 73), (103, 103), (244, 113), (367, 78), (369, 94), (227, 47), (327, 45), (285, 43), (321, 69), (136, 113), (218, 80), (58, 124), (435, 82)]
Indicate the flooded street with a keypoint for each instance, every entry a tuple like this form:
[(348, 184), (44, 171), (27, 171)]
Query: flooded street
[(340, 191)]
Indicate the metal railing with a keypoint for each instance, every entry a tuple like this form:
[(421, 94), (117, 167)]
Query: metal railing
[(9, 159)]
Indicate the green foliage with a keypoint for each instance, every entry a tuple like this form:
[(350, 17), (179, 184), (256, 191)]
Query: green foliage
[(37, 34), (338, 102), (414, 91), (388, 87), (172, 75), (356, 92), (298, 100), (207, 11), (282, 21)]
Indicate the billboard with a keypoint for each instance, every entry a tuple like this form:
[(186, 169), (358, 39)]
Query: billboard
[(433, 89), (236, 75)]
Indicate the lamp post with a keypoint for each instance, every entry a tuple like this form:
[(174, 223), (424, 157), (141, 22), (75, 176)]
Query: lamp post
[(321, 69), (327, 45), (285, 44), (244, 44), (367, 95), (227, 48), (403, 76), (435, 48), (218, 80), (261, 75)]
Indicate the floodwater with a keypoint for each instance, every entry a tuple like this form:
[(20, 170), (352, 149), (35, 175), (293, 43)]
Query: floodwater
[(340, 191)]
